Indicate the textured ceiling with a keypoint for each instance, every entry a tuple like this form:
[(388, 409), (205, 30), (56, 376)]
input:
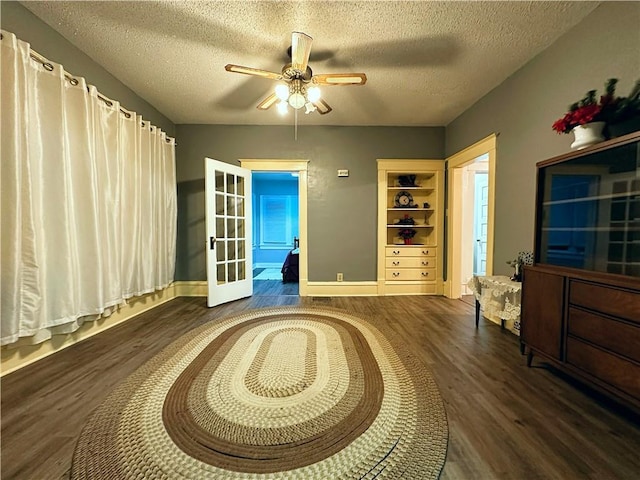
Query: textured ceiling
[(426, 62)]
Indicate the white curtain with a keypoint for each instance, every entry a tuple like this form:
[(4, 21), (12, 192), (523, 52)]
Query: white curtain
[(88, 194)]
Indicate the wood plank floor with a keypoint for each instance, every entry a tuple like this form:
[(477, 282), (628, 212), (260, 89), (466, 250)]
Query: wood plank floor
[(506, 421), (274, 288)]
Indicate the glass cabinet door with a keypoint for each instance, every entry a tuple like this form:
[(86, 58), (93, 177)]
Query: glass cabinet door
[(589, 212)]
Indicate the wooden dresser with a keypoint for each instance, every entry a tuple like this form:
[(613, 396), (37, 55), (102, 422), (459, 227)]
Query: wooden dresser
[(586, 324), (581, 298)]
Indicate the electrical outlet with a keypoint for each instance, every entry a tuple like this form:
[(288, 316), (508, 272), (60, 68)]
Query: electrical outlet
[(339, 277)]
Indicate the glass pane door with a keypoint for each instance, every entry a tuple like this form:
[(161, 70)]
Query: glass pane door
[(228, 194)]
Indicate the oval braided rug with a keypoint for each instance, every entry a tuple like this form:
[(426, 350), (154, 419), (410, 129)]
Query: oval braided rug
[(293, 392)]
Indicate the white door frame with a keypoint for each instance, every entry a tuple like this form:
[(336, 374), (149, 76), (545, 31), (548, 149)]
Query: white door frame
[(228, 227), (300, 166), (455, 164)]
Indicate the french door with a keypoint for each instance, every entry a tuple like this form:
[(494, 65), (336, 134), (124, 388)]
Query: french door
[(228, 227)]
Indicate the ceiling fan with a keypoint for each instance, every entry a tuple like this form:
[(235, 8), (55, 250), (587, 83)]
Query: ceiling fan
[(300, 86)]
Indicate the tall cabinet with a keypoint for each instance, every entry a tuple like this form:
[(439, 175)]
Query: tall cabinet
[(410, 205), (581, 298)]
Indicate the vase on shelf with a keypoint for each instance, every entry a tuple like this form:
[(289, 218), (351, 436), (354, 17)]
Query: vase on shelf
[(408, 241), (587, 134)]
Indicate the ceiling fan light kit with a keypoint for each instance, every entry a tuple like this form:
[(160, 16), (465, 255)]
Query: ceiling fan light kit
[(313, 94), (297, 95), (296, 91), (282, 92)]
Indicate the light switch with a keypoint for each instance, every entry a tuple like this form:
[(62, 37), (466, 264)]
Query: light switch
[(343, 173)]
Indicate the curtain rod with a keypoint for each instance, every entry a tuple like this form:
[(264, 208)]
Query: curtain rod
[(47, 65)]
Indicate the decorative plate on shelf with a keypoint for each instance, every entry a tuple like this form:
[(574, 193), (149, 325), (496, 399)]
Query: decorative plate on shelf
[(403, 199)]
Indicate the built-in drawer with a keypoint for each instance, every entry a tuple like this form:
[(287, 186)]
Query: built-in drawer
[(616, 371), (612, 301), (426, 274), (413, 251), (619, 337), (411, 262)]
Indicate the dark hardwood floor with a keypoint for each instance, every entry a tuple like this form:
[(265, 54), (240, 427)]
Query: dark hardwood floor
[(506, 421), (469, 299), (274, 288)]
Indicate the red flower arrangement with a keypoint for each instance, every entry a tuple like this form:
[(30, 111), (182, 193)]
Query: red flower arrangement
[(407, 233), (589, 109)]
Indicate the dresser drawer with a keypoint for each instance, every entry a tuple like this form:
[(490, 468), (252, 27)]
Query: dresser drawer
[(613, 301), (619, 337), (427, 274), (411, 262), (414, 251), (618, 372)]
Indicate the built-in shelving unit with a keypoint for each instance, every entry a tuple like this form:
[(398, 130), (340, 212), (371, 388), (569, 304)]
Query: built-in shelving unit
[(410, 197)]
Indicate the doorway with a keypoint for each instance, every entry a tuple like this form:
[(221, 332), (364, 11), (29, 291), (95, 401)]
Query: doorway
[(283, 168), (275, 232), (470, 215), (474, 227)]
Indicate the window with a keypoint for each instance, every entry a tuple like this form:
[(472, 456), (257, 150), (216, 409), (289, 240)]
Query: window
[(276, 221)]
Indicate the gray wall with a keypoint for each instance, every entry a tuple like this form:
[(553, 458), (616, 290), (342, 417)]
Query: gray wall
[(341, 211), (605, 45), (49, 43)]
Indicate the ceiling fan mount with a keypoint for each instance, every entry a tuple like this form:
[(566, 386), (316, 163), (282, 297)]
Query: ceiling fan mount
[(296, 77), (290, 73)]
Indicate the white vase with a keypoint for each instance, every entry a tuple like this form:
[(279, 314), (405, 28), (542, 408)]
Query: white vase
[(587, 134)]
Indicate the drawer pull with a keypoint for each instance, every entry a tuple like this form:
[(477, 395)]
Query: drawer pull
[(395, 264), (425, 274), (396, 274), (425, 263), (425, 252), (396, 252)]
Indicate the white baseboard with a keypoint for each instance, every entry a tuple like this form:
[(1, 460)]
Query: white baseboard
[(447, 289), (342, 289), (191, 288), (16, 356)]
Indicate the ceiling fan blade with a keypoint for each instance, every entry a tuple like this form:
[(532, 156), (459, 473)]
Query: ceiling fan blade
[(339, 79), (322, 107), (268, 102), (300, 51), (253, 71)]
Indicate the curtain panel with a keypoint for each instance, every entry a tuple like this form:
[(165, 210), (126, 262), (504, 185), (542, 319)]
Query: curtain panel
[(88, 200)]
